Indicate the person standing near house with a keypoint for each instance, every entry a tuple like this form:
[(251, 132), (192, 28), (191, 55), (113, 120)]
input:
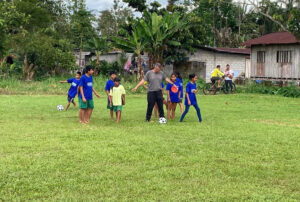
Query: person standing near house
[(109, 84), (154, 79), (229, 74)]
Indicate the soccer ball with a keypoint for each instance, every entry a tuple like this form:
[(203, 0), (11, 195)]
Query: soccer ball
[(162, 120), (60, 108)]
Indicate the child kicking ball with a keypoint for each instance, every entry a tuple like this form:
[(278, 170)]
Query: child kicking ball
[(117, 98), (73, 91), (174, 94)]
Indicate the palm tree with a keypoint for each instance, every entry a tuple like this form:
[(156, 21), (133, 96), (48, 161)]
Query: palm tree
[(101, 46)]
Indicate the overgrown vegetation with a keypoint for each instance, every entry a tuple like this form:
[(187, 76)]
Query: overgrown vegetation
[(286, 91)]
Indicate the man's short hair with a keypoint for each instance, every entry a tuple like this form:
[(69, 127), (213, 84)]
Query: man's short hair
[(227, 65), (117, 79), (218, 66), (157, 65)]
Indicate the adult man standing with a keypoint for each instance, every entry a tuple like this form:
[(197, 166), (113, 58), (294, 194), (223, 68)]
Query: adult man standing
[(228, 78), (154, 78)]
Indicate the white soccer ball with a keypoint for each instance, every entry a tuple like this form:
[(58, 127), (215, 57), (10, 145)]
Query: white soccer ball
[(162, 120), (60, 108)]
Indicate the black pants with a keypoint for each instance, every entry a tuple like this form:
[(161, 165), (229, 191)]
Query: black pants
[(228, 82), (153, 97)]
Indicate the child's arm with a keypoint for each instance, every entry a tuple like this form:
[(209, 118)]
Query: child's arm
[(188, 98), (82, 94), (95, 92), (168, 95), (63, 81), (123, 96), (179, 95), (110, 100)]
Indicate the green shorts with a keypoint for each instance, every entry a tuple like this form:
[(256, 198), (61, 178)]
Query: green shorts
[(108, 106), (89, 104), (117, 108)]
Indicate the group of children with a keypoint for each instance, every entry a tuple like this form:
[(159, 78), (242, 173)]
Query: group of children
[(82, 85)]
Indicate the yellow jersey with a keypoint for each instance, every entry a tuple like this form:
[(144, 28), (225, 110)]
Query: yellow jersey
[(217, 73)]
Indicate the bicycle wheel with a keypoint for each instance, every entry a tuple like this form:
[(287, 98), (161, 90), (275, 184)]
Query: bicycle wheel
[(207, 89)]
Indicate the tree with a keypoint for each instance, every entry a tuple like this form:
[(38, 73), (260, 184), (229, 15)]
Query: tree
[(110, 20), (138, 5)]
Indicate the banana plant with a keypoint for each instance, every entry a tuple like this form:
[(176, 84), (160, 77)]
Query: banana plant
[(134, 43), (101, 46)]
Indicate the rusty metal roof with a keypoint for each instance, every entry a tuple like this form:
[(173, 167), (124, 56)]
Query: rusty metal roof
[(283, 37)]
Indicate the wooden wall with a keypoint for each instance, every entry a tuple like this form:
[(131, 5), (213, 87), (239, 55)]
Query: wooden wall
[(271, 68)]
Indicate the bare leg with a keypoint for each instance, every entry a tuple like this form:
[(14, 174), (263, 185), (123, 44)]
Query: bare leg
[(81, 115), (118, 114), (173, 110), (68, 105), (181, 107), (74, 104), (88, 115), (112, 114), (169, 108), (219, 83)]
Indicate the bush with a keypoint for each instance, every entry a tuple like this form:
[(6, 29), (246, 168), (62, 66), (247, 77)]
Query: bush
[(288, 91)]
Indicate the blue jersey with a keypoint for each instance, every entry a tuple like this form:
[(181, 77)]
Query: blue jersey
[(87, 85), (181, 85), (174, 96), (190, 90), (162, 85), (74, 87), (109, 85)]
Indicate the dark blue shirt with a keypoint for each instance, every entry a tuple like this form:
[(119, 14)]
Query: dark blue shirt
[(162, 85), (74, 86), (190, 88), (181, 85), (174, 96), (109, 84), (87, 85)]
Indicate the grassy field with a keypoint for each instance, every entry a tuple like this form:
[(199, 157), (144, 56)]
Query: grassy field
[(247, 148)]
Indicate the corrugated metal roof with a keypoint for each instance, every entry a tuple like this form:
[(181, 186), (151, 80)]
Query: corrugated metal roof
[(283, 37)]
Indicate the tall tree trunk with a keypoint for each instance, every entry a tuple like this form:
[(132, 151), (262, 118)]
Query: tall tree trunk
[(150, 62), (140, 68)]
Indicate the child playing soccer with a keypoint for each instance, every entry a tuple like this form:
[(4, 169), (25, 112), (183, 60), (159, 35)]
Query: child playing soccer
[(190, 97), (73, 91), (117, 98), (108, 86), (179, 80), (173, 93), (86, 90)]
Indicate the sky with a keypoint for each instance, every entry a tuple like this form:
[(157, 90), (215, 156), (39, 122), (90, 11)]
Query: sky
[(98, 5)]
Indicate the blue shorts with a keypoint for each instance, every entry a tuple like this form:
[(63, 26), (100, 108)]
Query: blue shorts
[(70, 99)]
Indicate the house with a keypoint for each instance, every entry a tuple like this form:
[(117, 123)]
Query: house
[(205, 59), (275, 56)]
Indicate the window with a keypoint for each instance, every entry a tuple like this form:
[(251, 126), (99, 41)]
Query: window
[(261, 56), (284, 56)]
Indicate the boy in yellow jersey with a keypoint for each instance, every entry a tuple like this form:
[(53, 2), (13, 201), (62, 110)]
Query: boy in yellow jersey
[(216, 75), (117, 98)]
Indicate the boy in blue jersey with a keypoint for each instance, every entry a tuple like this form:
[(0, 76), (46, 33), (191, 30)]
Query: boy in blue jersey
[(179, 80), (190, 97), (173, 92), (73, 91), (109, 84), (86, 90)]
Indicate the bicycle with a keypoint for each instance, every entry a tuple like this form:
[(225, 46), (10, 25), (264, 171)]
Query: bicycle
[(212, 89)]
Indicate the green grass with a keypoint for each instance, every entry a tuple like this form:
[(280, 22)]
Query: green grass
[(247, 148)]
